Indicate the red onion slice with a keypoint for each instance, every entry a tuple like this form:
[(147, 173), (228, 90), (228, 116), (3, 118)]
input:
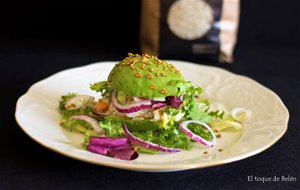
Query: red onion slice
[(78, 101), (138, 113), (184, 128), (101, 114), (130, 108), (146, 144), (159, 99), (94, 123), (158, 105)]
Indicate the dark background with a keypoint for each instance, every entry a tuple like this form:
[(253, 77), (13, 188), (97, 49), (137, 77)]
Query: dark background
[(38, 39)]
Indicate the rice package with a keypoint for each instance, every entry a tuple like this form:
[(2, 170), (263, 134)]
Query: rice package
[(190, 29)]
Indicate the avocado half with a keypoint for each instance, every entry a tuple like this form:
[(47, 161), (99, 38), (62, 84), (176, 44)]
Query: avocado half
[(145, 76)]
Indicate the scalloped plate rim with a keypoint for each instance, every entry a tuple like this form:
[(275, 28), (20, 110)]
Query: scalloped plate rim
[(149, 168)]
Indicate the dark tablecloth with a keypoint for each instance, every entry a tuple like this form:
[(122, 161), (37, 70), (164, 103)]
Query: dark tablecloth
[(25, 164)]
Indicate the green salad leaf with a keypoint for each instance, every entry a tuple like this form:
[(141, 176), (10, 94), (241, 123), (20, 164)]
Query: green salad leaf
[(172, 138), (200, 130), (75, 124), (112, 128), (102, 87), (226, 122), (87, 110)]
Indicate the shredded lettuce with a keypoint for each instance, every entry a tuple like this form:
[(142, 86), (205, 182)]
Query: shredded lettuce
[(226, 122), (171, 117), (112, 128), (87, 110), (75, 124), (168, 134), (199, 130), (172, 138), (102, 87)]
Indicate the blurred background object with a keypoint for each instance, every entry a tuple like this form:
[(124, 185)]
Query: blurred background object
[(197, 30), (115, 25)]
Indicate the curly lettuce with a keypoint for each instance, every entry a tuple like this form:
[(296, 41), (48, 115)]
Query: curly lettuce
[(75, 124)]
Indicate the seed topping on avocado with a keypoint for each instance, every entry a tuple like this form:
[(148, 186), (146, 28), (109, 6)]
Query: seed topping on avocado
[(138, 74)]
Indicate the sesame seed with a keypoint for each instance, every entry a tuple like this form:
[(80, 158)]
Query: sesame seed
[(205, 152), (220, 149), (149, 76), (146, 55), (142, 66), (152, 86), (130, 54), (163, 91), (132, 66), (144, 59), (218, 135), (138, 74), (163, 74)]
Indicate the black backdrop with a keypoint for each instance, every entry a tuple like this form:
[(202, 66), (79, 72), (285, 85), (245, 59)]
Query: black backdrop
[(38, 39), (116, 23)]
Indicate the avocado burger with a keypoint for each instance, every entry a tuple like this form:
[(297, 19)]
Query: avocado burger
[(153, 100), (146, 105)]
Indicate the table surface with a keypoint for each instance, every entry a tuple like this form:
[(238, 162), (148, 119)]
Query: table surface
[(25, 164)]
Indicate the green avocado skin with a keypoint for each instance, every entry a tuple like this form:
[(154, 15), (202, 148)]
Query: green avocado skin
[(145, 76)]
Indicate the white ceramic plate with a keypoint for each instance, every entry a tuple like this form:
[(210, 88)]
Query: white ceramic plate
[(37, 114)]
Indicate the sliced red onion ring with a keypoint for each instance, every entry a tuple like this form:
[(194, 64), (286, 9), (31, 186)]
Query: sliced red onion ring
[(102, 114), (159, 105), (184, 128), (146, 144), (138, 99), (94, 123), (159, 99), (78, 101), (138, 113), (130, 108)]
